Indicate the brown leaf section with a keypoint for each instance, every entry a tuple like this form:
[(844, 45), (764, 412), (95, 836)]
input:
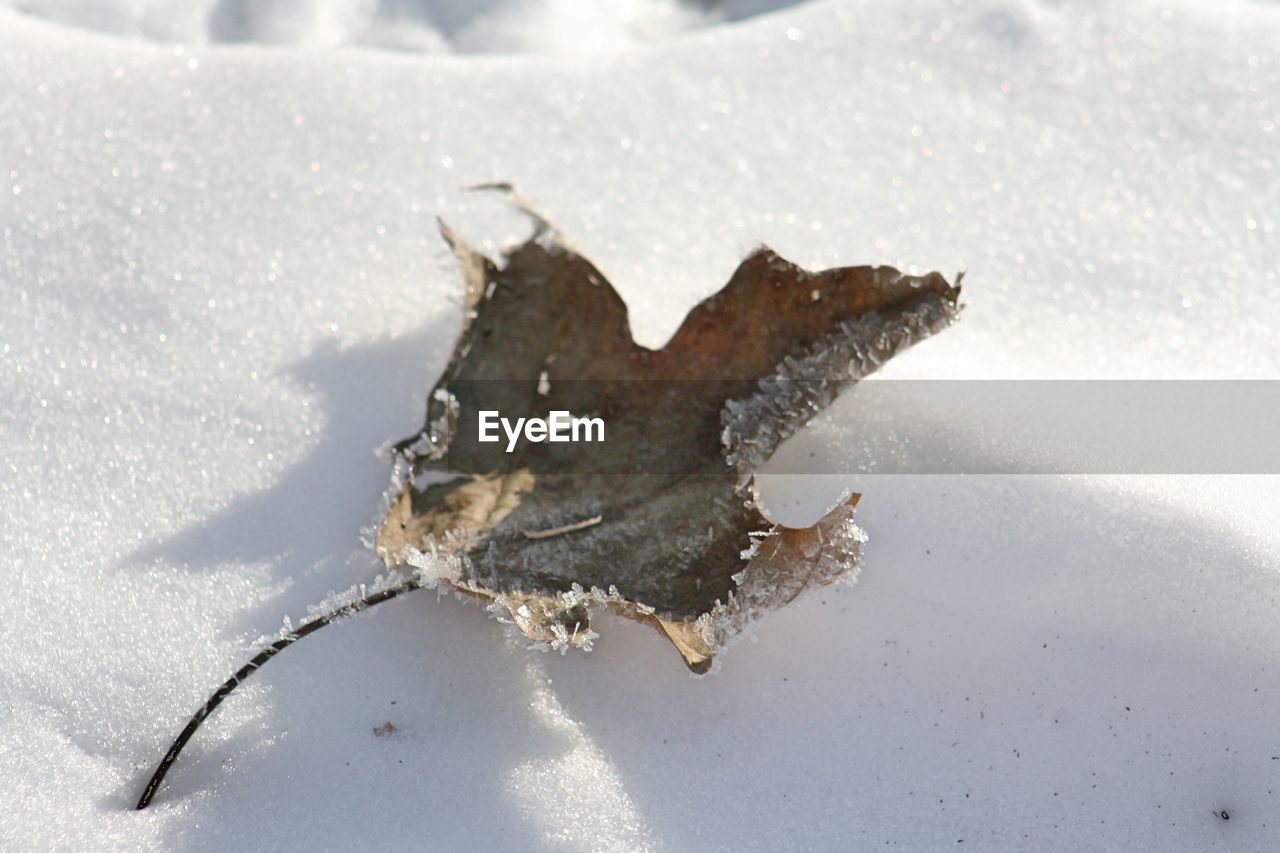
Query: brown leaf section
[(672, 539)]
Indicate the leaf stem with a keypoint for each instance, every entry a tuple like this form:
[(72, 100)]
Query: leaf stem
[(308, 627)]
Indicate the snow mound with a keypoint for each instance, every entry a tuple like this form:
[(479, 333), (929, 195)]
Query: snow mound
[(223, 288)]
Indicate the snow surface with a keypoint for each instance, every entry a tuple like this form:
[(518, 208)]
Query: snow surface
[(223, 287)]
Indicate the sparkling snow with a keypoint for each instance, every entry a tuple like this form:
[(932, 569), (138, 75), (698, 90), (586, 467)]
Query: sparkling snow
[(222, 288)]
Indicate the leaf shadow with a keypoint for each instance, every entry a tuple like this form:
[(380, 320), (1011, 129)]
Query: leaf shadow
[(460, 704), (312, 514), (1105, 640), (425, 665)]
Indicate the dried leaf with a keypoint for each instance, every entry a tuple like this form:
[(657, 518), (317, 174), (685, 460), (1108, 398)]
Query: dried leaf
[(660, 521)]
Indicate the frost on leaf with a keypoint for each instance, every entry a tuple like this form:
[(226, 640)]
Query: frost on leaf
[(660, 522)]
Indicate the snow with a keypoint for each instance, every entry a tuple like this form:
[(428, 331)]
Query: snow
[(223, 288)]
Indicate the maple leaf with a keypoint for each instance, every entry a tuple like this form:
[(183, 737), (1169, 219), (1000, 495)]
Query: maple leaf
[(661, 521)]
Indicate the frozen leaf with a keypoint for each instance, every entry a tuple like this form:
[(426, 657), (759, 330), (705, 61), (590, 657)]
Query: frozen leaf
[(660, 521)]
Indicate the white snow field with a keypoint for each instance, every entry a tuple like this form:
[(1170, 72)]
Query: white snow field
[(223, 287)]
